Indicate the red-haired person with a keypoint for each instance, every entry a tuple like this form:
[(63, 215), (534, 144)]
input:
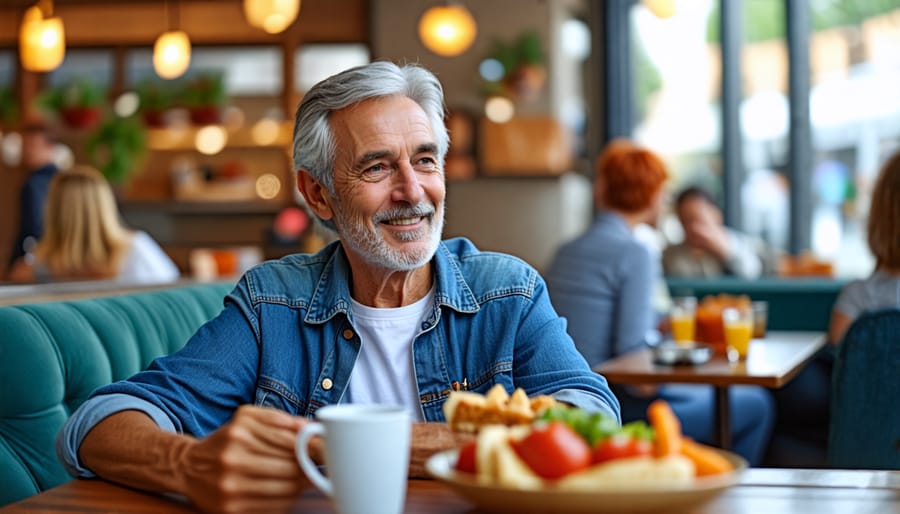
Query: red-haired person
[(602, 282)]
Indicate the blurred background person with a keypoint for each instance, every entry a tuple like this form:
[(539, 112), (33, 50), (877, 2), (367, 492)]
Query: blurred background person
[(38, 149), (603, 281), (881, 289), (84, 238), (709, 248), (804, 404)]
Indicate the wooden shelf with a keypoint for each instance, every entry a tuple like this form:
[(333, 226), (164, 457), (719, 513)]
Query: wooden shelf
[(173, 207)]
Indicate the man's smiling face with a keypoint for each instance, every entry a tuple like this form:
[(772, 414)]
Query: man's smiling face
[(389, 184)]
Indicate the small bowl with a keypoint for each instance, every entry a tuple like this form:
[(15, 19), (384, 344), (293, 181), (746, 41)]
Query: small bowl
[(669, 353)]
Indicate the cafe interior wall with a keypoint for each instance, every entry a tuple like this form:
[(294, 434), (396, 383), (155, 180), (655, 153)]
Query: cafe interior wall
[(526, 216)]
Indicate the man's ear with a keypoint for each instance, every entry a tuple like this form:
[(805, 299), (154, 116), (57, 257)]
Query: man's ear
[(317, 197)]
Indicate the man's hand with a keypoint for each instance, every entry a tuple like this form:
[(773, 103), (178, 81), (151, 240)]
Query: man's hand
[(710, 237), (431, 438), (247, 465)]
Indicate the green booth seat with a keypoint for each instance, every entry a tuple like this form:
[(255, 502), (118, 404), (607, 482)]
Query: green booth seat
[(53, 355), (794, 303)]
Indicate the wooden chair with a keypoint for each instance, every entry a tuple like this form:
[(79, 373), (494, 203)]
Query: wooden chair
[(865, 402)]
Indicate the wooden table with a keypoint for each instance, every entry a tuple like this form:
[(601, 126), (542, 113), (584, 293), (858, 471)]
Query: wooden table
[(760, 490), (772, 362)]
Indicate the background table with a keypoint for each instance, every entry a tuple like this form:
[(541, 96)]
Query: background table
[(772, 362), (760, 490)]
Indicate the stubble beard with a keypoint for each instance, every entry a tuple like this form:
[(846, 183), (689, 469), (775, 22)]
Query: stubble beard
[(374, 248)]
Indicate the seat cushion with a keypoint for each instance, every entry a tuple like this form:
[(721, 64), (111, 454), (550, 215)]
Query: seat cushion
[(53, 355)]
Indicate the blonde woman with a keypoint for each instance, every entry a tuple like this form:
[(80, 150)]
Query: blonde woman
[(84, 239)]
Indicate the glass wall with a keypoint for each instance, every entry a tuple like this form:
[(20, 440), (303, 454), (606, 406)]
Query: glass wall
[(854, 110), (676, 63)]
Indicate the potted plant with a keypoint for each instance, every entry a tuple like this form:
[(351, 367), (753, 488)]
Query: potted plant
[(116, 147), (155, 98), (79, 103), (524, 73), (9, 108), (204, 95)]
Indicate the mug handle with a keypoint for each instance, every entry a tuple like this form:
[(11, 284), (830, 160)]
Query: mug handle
[(306, 463)]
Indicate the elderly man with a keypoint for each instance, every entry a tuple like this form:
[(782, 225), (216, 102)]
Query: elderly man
[(386, 314)]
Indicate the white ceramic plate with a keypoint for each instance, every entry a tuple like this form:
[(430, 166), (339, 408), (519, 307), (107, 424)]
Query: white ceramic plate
[(507, 500)]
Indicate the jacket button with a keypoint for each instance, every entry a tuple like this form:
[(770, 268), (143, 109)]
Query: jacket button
[(348, 334), (327, 384)]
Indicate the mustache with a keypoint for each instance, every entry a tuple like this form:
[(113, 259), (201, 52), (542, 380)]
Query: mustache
[(422, 209)]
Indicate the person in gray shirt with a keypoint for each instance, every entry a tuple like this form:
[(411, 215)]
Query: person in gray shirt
[(881, 289)]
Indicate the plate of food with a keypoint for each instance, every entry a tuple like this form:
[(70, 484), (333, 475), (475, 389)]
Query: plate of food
[(568, 460)]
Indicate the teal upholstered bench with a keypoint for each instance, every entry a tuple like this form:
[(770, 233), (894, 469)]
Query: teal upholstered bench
[(53, 355)]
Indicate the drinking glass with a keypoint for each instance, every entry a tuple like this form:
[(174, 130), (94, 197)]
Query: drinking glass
[(738, 323), (760, 319), (683, 319)]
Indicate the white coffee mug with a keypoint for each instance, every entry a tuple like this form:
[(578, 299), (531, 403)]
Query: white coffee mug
[(366, 456)]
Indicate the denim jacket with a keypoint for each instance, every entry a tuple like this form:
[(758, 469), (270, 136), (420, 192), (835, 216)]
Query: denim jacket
[(286, 339)]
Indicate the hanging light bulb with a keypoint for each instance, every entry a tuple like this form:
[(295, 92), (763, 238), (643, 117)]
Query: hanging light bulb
[(172, 50), (661, 8), (273, 16), (42, 41), (447, 30), (172, 54)]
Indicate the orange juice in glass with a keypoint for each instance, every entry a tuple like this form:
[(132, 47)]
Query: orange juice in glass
[(738, 324), (683, 319)]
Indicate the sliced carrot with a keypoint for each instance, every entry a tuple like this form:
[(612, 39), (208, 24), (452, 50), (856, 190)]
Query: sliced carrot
[(667, 428), (706, 460)]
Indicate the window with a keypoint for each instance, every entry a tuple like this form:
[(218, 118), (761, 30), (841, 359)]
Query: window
[(677, 84), (247, 70), (84, 64), (854, 111), (317, 62)]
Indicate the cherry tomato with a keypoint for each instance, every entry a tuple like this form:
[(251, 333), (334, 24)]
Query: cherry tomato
[(620, 446), (466, 460), (553, 450)]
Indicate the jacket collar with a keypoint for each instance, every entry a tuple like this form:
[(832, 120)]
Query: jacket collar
[(331, 294)]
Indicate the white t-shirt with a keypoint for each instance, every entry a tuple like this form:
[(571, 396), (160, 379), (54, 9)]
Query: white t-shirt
[(146, 262), (383, 372)]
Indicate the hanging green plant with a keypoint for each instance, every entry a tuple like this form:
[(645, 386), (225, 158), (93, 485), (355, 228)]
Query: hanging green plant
[(79, 102), (116, 147)]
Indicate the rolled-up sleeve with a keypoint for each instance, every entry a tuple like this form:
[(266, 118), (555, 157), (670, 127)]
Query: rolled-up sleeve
[(92, 412)]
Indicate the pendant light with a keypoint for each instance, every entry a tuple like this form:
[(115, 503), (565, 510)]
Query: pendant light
[(42, 41), (447, 30), (661, 8), (273, 16), (172, 51)]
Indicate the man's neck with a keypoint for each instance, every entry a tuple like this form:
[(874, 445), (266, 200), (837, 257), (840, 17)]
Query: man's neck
[(383, 288)]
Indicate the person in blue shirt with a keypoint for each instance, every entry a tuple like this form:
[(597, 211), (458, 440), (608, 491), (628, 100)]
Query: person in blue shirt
[(602, 283), (38, 147), (387, 314)]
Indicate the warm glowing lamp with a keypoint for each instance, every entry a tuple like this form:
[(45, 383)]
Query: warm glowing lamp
[(447, 30), (42, 41), (661, 8), (171, 54), (273, 16)]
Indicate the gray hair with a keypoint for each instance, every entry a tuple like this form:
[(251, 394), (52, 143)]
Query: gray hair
[(314, 146)]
